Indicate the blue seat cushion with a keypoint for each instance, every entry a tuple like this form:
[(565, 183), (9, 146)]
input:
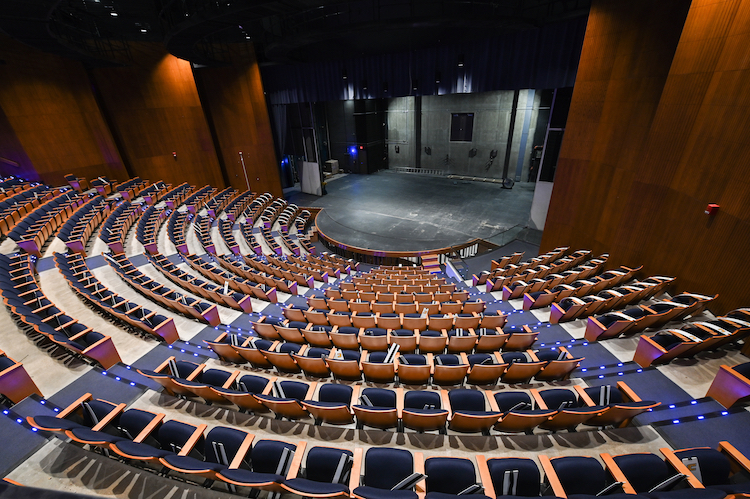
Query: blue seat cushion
[(375, 493), (317, 403), (478, 413), (191, 464), (688, 494), (89, 435), (54, 423), (733, 488), (304, 486), (374, 408), (250, 478), (443, 495), (608, 496), (141, 450), (426, 412)]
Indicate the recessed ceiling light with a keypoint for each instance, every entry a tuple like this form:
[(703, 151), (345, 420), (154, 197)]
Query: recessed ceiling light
[(113, 14), (143, 30)]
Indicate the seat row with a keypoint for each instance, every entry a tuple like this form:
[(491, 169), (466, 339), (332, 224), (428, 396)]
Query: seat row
[(328, 260), (235, 208), (246, 229), (256, 207), (131, 189), (607, 279), (545, 259), (459, 409), (399, 303), (34, 312), (392, 366), (631, 291), (14, 208), (78, 184), (364, 283), (270, 240), (206, 289), (226, 231), (391, 320), (538, 267), (147, 229), (302, 221), (235, 459), (178, 195), (197, 200), (220, 200), (76, 272), (33, 231), (457, 335), (399, 269), (582, 271), (10, 186), (152, 219), (285, 282), (572, 308), (103, 185), (177, 228), (287, 216), (334, 259), (501, 262), (244, 280), (278, 266), (76, 232), (271, 212), (285, 222), (118, 223), (636, 319), (153, 193), (692, 338), (186, 305), (202, 226), (286, 240)]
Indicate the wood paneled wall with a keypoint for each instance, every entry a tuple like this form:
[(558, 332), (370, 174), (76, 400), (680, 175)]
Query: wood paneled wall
[(56, 117), (236, 107), (154, 110), (50, 123), (658, 128)]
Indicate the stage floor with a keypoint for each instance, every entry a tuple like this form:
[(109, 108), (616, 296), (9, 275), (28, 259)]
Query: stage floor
[(403, 212)]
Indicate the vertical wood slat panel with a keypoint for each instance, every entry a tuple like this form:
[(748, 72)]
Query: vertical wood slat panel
[(693, 153), (52, 124), (154, 110), (237, 108)]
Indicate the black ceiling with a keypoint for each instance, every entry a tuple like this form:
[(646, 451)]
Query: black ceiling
[(100, 31)]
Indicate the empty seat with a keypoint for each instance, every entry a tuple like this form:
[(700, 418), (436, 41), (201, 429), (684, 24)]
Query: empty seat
[(377, 408), (451, 478), (385, 475), (326, 473), (423, 411), (469, 412)]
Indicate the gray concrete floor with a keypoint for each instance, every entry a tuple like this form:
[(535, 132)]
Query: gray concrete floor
[(405, 212)]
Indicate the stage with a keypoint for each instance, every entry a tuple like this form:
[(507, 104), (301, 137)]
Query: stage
[(408, 212)]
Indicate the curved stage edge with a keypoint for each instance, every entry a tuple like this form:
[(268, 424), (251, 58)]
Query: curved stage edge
[(386, 257)]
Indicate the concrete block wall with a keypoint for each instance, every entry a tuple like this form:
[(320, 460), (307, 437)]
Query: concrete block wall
[(492, 117)]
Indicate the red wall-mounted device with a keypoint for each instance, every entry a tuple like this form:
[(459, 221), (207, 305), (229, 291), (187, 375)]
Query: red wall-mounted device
[(712, 209)]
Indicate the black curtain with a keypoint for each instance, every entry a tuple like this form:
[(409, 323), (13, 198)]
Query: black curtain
[(545, 57)]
